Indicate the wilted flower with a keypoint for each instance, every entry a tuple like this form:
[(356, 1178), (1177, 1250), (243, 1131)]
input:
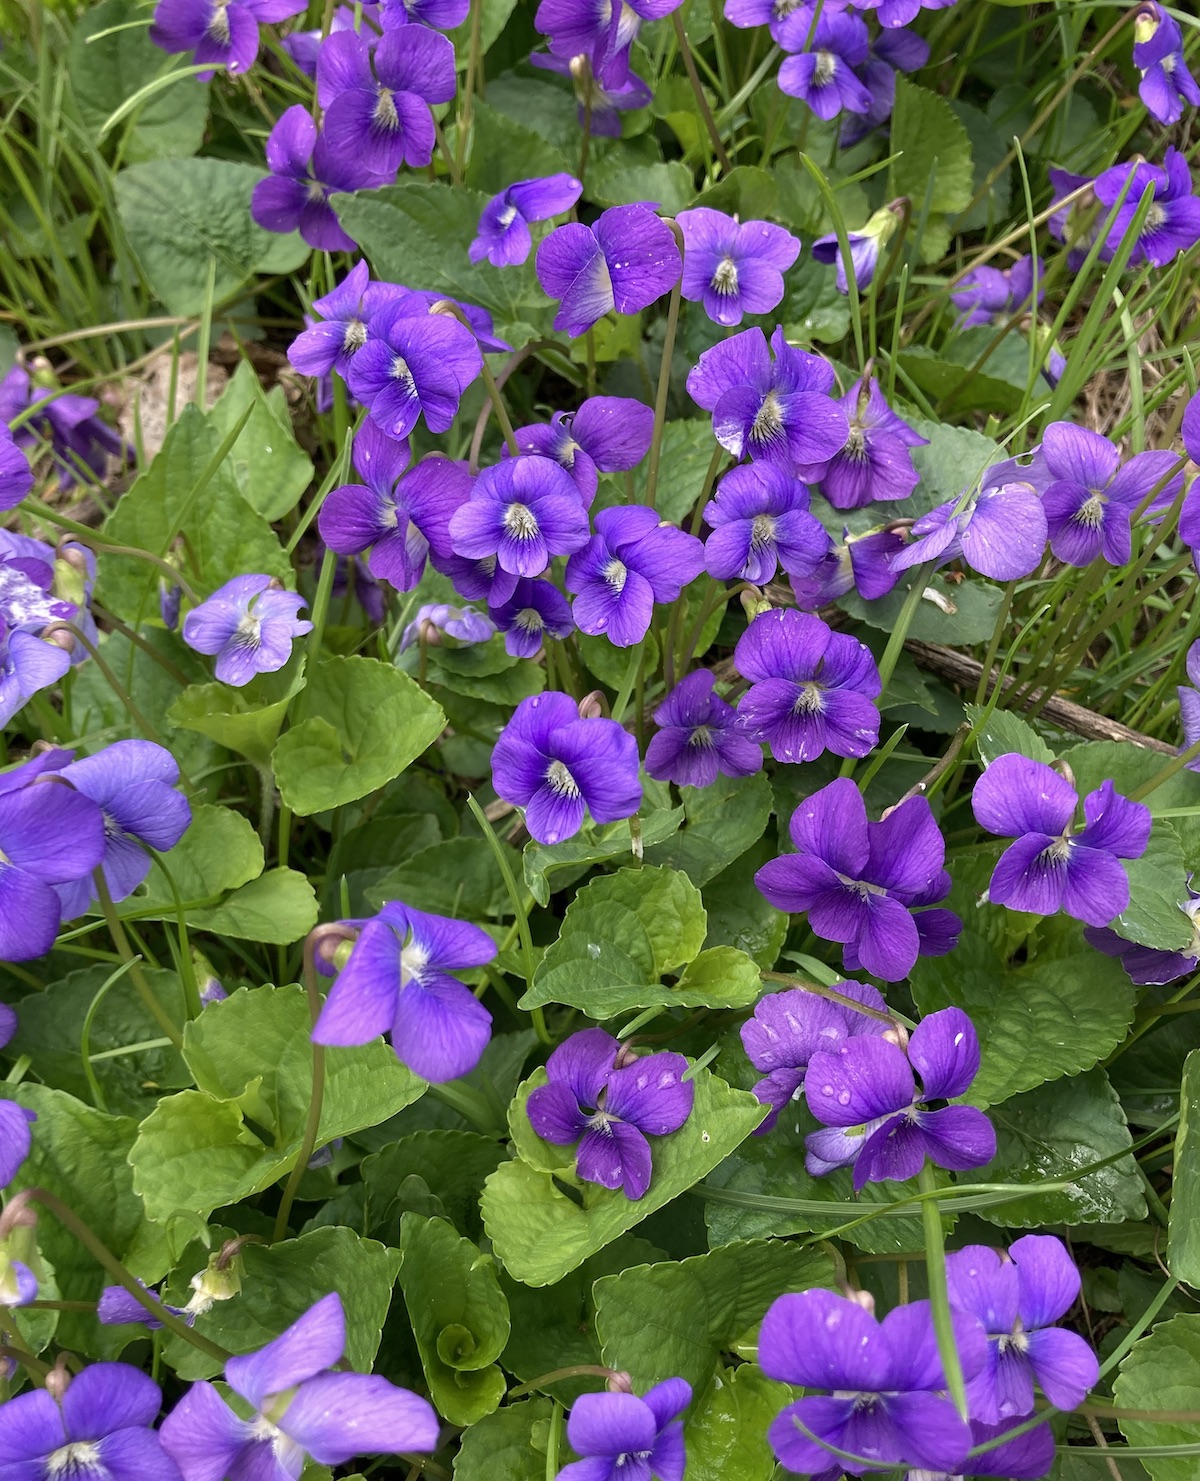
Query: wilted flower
[(865, 246), (463, 625), (602, 93)]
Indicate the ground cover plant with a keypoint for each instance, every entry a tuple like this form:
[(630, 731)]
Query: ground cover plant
[(600, 677)]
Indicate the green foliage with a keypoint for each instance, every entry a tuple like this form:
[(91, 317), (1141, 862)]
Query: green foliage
[(1183, 1250), (1162, 1372), (931, 162)]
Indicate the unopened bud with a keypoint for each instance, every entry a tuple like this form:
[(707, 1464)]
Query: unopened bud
[(216, 1282), (58, 637), (619, 1383), (430, 634), (861, 1298), (58, 1380), (580, 67), (341, 954), (592, 706), (754, 602), (1146, 24), (896, 1034)]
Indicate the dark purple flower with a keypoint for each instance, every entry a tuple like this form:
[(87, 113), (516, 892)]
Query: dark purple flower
[(15, 1120), (16, 476), (397, 981), (886, 1380), (789, 1027), (624, 1438), (602, 94), (1166, 83), (1047, 869), (986, 294), (893, 13), (1018, 1298), (625, 260), (875, 465), (733, 267), (558, 766), (811, 689), (698, 737), (861, 562), (414, 362), (896, 50), (536, 608), (479, 320), (609, 1102), (250, 623), (608, 434), (1028, 1457), (1000, 531), (304, 1407), (865, 1092), (221, 33), (78, 438), (101, 1428), (601, 30), (117, 1308), (632, 561), (777, 409), (823, 74), (347, 315), (523, 511), (440, 15), (295, 195), (759, 519), (462, 624), (1173, 223), (27, 665), (865, 246), (504, 237), (857, 880), (378, 120)]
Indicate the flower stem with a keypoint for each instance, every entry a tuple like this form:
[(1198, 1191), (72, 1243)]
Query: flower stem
[(664, 378), (689, 66), (117, 931), (939, 1292), (312, 1124), (560, 1375)]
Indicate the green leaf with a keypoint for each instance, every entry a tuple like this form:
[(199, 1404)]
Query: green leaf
[(458, 877), (962, 614), (186, 218), (989, 146), (358, 724), (676, 1318), (687, 450), (541, 1234), (617, 183), (1158, 891), (813, 308), (1162, 1371), (954, 460), (1183, 1249), (104, 70), (745, 191), (242, 719), (223, 536), (941, 376), (279, 907), (459, 1317), (613, 841), (509, 1445), (934, 155), (484, 671), (1005, 733), (740, 915), (497, 141), (451, 1164), (722, 822), (493, 17), (1129, 767), (725, 1433), (220, 851), (268, 465)]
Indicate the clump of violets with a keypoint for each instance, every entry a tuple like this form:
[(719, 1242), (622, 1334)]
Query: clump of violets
[(624, 1438), (1050, 867), (331, 341), (602, 93), (788, 1028), (698, 736), (866, 884), (885, 1383), (303, 1407), (606, 1100), (504, 238), (219, 33), (625, 260), (760, 520), (1000, 530), (811, 689), (875, 1114), (864, 246), (734, 267), (397, 981), (875, 463), (250, 624), (608, 434), (559, 767), (1166, 83), (632, 561)]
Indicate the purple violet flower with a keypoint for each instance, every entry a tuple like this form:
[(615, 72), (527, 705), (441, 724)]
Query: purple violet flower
[(776, 409), (18, 1284), (523, 511), (462, 624), (1189, 704), (504, 237), (789, 1027), (601, 94), (16, 476), (775, 14), (698, 737), (375, 121), (865, 246), (414, 362), (1027, 1457), (78, 438), (1017, 1298), (100, 1428), (811, 689), (1173, 223), (221, 33), (886, 1402), (27, 666), (760, 521), (602, 31), (305, 1407), (1000, 531), (440, 15), (1047, 869), (347, 315), (15, 1120), (859, 880), (558, 766), (397, 981), (117, 1308), (624, 1438), (1148, 966), (734, 267), (986, 294), (823, 74), (608, 434), (536, 608), (250, 624), (1166, 83), (875, 465), (632, 561), (602, 1097), (861, 562), (892, 51), (295, 195), (865, 1092), (625, 260), (304, 47)]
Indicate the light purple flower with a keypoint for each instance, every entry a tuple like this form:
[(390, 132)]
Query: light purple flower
[(609, 1102), (823, 74), (1049, 868), (295, 195), (875, 464), (789, 1027), (397, 981), (1173, 224), (414, 362), (1166, 83), (558, 766), (15, 1120), (733, 267), (865, 1092), (1148, 966), (535, 609), (220, 33), (698, 737), (608, 434), (859, 880), (892, 51), (304, 1407), (1000, 531), (504, 237), (18, 1284), (523, 511), (632, 561), (16, 476), (811, 689), (776, 409), (462, 624), (118, 1308), (250, 623), (27, 666), (760, 521), (1189, 704), (886, 1381), (861, 562), (624, 1438), (625, 260), (1018, 1298)]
